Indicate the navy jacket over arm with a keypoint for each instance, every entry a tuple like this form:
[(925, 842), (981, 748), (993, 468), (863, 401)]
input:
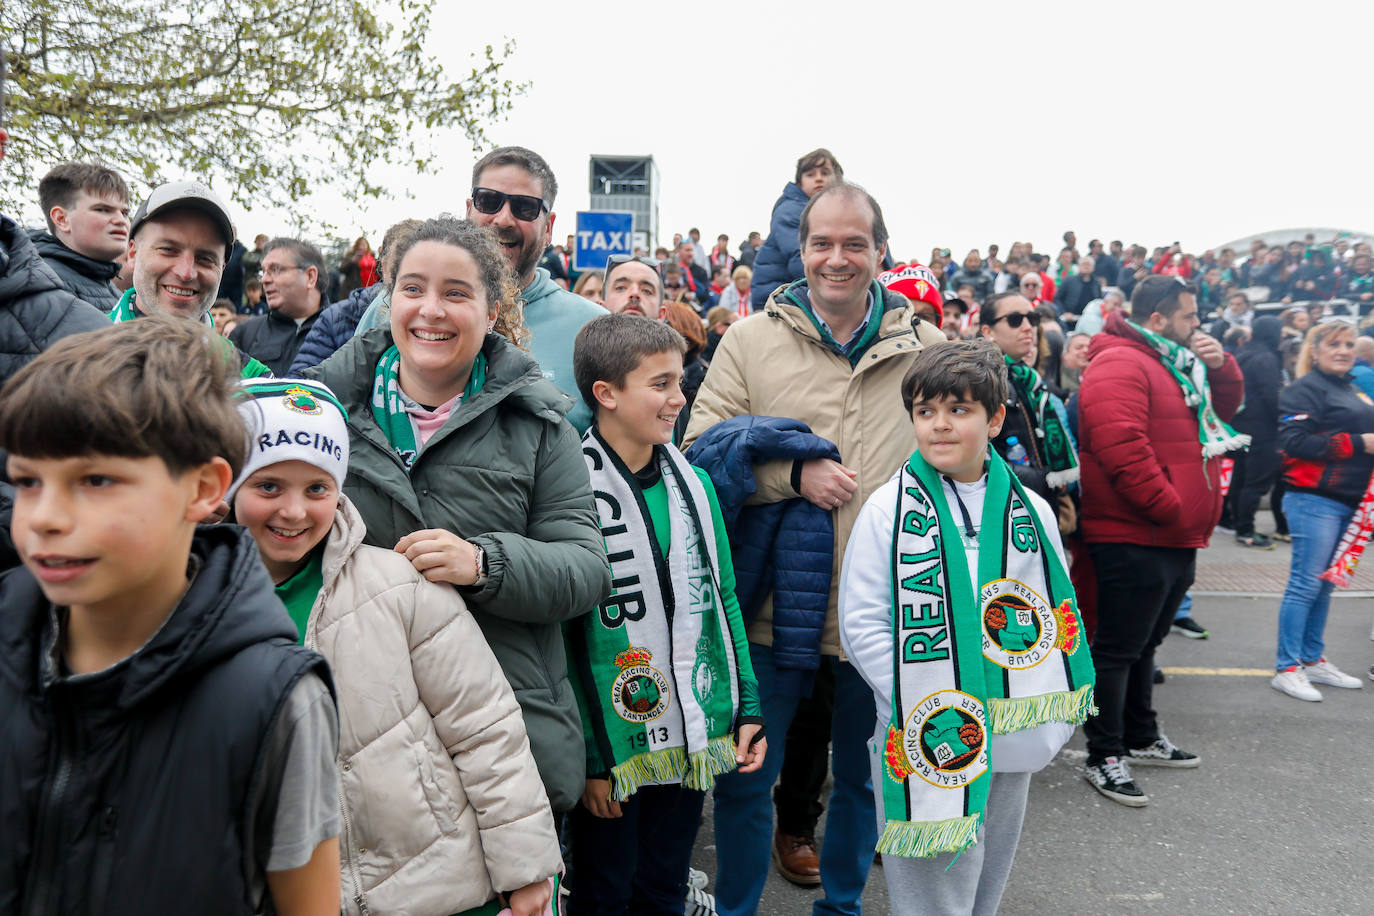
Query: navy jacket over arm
[(785, 548)]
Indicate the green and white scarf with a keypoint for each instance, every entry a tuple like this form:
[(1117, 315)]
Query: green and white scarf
[(660, 680), (388, 402), (1060, 457), (1010, 657), (1216, 437)]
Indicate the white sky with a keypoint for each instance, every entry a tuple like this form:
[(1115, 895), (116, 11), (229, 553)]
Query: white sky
[(970, 122)]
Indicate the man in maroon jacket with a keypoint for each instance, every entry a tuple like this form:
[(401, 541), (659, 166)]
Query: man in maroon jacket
[(1153, 406)]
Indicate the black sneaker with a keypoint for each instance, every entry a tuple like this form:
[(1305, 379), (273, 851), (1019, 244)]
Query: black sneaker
[(1163, 753), (1187, 626), (1159, 675), (1112, 780)]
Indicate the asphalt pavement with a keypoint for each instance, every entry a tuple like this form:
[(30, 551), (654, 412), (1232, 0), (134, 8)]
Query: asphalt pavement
[(1279, 818)]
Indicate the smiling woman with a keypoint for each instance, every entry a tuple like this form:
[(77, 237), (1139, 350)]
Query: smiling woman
[(462, 461)]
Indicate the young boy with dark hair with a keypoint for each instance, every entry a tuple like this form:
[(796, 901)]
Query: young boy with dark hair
[(661, 668), (167, 748), (86, 207), (956, 607)]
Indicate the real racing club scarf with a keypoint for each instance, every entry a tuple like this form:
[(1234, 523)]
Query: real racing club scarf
[(660, 681), (968, 664), (1191, 374), (1061, 459), (388, 402)]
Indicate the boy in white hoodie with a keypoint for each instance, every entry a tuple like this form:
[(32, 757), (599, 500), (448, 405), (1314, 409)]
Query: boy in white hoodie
[(443, 810), (956, 608)]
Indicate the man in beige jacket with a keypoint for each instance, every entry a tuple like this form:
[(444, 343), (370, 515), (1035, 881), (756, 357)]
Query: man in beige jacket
[(829, 350)]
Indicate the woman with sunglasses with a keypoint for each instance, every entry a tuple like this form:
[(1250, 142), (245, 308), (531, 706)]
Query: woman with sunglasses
[(1326, 435), (461, 460)]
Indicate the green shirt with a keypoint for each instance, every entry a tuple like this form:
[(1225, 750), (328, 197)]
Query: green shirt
[(127, 310), (298, 593)]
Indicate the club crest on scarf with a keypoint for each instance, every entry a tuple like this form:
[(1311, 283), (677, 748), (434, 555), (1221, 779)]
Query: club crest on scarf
[(640, 693), (1019, 627), (944, 741)]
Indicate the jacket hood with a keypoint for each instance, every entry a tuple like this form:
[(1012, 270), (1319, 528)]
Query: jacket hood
[(230, 606), (22, 271), (1265, 333), (540, 287), (51, 248), (345, 537), (793, 191)]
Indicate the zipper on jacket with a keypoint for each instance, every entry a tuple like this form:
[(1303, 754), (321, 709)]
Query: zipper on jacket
[(347, 840), (41, 892)]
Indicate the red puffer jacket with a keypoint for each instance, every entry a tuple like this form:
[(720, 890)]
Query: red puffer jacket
[(1143, 477)]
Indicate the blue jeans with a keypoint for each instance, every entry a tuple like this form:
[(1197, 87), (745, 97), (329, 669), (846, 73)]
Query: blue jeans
[(744, 808), (1185, 607), (1316, 524)]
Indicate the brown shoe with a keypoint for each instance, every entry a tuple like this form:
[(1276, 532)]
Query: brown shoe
[(796, 858)]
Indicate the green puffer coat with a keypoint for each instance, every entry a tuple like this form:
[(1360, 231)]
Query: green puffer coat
[(506, 472)]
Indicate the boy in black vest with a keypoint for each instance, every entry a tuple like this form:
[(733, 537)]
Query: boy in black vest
[(166, 747)]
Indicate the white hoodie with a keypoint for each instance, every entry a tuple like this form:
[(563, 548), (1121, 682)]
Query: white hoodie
[(865, 601)]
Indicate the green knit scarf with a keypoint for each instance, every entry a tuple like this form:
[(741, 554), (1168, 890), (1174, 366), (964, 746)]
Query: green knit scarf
[(1061, 459), (1190, 373), (388, 404)]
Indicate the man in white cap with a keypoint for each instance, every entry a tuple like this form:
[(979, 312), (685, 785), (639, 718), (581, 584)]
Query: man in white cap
[(179, 240)]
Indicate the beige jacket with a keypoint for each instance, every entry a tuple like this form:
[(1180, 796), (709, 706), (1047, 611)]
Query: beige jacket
[(441, 803), (775, 364)]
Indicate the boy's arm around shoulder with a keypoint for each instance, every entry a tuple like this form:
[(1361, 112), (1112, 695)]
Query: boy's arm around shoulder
[(865, 595), (724, 395), (477, 718)]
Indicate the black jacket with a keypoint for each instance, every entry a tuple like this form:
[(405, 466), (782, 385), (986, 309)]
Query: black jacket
[(273, 339), (83, 277), (1321, 419), (130, 790), (1074, 294), (1262, 367), (36, 311), (1019, 425)]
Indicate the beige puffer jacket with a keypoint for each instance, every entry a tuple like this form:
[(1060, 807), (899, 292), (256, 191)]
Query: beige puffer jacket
[(775, 364), (442, 805)]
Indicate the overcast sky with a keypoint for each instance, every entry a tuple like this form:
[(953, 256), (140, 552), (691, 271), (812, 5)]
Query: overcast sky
[(970, 122)]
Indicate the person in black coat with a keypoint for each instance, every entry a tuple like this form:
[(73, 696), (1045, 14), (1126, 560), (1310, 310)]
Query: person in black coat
[(1256, 469), (1074, 294), (35, 312)]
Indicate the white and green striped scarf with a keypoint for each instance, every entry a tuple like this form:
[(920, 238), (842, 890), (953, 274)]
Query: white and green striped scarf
[(660, 678), (1216, 437)]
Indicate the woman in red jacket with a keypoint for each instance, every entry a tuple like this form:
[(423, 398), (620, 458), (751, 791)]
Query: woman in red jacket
[(1326, 433)]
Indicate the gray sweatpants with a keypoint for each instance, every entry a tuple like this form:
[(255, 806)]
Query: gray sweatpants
[(974, 885)]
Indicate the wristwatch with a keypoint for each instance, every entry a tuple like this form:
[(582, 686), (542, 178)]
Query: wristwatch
[(480, 557)]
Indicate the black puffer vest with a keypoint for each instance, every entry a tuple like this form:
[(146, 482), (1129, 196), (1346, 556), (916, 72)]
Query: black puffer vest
[(129, 791)]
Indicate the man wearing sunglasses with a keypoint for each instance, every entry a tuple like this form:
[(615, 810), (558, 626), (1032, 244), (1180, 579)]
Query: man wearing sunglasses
[(1011, 323), (513, 192)]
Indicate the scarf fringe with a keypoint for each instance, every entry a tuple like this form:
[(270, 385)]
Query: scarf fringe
[(672, 765), (923, 839), (1222, 446), (1019, 713), (1062, 478)]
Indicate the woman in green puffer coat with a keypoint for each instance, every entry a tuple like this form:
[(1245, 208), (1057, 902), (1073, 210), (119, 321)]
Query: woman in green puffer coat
[(462, 460)]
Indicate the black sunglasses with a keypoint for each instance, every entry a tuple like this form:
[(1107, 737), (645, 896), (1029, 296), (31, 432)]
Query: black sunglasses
[(1014, 319), (522, 206)]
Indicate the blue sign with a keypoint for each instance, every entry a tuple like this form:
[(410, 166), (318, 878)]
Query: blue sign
[(600, 234)]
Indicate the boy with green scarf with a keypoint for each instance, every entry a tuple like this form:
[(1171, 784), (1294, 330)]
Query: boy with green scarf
[(661, 667), (956, 608)]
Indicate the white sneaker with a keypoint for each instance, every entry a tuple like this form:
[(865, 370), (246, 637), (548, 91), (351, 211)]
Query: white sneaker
[(697, 878), (1323, 672), (1293, 681)]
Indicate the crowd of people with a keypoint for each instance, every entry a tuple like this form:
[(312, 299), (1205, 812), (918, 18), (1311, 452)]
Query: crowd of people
[(448, 579)]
